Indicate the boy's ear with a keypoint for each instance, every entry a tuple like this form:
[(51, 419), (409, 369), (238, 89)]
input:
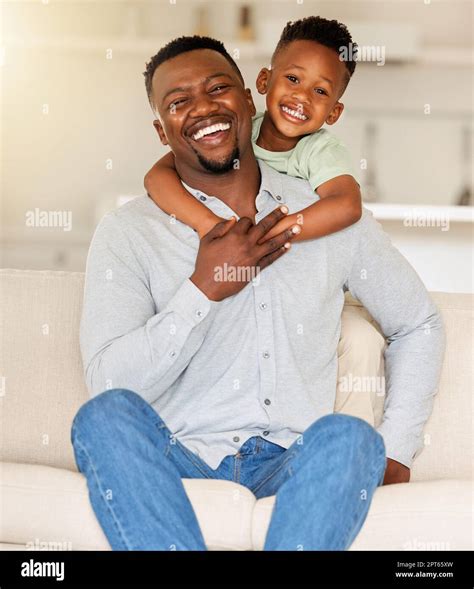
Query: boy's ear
[(335, 113), (262, 80), (161, 132), (248, 95)]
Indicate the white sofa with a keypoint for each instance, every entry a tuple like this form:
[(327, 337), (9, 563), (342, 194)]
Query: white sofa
[(44, 499)]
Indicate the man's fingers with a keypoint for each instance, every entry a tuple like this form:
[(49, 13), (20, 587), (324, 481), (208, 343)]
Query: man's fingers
[(264, 226), (274, 255), (243, 224), (278, 240), (220, 229)]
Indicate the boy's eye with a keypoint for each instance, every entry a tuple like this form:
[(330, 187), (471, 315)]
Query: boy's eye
[(320, 91), (293, 79)]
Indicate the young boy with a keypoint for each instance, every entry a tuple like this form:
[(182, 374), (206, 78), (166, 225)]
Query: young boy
[(303, 88)]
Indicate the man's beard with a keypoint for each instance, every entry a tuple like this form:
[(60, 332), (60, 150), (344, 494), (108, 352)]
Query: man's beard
[(219, 167)]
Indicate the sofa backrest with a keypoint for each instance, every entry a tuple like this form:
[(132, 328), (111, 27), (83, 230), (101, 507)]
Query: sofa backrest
[(42, 384)]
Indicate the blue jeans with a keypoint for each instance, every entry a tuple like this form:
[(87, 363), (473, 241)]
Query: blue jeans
[(134, 466)]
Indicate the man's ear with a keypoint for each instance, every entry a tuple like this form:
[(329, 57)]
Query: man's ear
[(248, 95), (335, 113), (262, 80), (161, 132)]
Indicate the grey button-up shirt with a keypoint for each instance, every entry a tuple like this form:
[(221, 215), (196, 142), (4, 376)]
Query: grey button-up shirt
[(263, 361)]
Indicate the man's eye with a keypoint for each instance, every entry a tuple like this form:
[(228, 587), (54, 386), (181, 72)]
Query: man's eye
[(293, 79), (219, 87), (176, 103)]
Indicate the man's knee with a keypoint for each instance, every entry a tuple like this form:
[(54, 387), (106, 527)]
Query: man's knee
[(102, 407), (346, 430)]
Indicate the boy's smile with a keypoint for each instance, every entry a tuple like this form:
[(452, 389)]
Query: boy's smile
[(302, 91)]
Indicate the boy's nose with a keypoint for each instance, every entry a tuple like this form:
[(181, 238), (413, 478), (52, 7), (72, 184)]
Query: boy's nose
[(300, 96)]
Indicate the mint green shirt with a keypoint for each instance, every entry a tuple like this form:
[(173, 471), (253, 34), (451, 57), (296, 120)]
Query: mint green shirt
[(318, 157)]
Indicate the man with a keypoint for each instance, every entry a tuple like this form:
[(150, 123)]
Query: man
[(236, 379)]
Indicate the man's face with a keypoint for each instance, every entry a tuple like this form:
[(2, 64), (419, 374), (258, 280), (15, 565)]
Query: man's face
[(306, 78), (204, 108)]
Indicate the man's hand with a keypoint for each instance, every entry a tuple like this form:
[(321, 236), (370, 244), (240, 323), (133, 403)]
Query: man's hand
[(396, 473), (229, 258)]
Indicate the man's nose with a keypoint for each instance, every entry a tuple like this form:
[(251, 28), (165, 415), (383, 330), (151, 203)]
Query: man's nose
[(203, 105)]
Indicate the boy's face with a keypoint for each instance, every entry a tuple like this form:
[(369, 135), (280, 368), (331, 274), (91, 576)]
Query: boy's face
[(303, 88)]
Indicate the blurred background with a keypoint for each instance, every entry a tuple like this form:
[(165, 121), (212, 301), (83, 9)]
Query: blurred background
[(77, 136)]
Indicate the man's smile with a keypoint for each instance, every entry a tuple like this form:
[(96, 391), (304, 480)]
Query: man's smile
[(210, 131)]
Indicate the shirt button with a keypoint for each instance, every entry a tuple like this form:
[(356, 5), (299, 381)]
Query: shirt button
[(203, 198), (266, 354), (278, 197), (263, 306), (265, 433), (236, 439), (199, 313), (172, 354), (267, 402)]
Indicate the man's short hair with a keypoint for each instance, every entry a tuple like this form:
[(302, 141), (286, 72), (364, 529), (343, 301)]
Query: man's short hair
[(183, 45), (330, 33)]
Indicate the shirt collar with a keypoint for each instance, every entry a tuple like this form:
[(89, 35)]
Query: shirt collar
[(270, 182)]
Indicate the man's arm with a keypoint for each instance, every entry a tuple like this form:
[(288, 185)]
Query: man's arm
[(385, 283), (125, 341)]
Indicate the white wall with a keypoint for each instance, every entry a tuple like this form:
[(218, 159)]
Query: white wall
[(77, 129)]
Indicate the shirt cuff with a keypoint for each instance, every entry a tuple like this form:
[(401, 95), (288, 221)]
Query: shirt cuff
[(403, 449), (191, 303)]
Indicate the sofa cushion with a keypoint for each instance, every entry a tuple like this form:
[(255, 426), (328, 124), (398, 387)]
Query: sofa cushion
[(430, 515), (41, 504), (433, 515), (43, 386)]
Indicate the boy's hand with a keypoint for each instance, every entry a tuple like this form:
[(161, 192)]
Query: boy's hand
[(210, 223), (230, 256), (396, 473)]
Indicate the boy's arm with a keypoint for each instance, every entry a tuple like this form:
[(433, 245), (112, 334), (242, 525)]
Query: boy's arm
[(340, 205), (164, 187)]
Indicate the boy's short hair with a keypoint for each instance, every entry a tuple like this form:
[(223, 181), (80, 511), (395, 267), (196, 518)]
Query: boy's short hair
[(183, 45), (330, 33)]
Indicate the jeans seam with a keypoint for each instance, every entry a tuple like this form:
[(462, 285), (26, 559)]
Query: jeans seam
[(191, 458), (273, 473), (236, 469), (97, 482), (161, 424), (372, 473)]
